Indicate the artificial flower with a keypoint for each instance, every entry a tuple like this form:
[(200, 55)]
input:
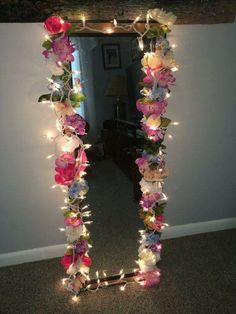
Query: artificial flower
[(65, 168), (168, 60), (75, 123), (78, 282), (67, 260), (63, 49), (149, 278), (148, 107), (74, 233), (86, 260), (81, 247), (148, 201), (150, 239), (163, 17), (73, 221), (54, 25), (81, 163), (151, 60), (78, 188), (63, 108), (149, 187), (153, 121), (164, 78)]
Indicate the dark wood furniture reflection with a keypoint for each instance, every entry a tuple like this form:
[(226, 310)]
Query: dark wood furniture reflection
[(122, 141)]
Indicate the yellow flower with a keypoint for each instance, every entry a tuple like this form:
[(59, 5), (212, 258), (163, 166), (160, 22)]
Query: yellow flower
[(152, 60)]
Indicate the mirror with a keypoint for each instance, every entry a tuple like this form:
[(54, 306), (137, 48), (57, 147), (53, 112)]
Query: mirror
[(109, 70)]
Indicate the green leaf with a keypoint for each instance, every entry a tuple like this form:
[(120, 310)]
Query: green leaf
[(165, 122), (47, 44)]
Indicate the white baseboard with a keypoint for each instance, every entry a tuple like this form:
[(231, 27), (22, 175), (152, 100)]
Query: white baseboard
[(53, 251)]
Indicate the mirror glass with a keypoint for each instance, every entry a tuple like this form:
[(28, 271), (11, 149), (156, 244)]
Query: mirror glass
[(109, 69)]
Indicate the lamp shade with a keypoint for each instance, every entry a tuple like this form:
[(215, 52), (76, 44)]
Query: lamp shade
[(117, 86)]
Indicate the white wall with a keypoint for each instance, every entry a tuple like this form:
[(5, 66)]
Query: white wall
[(201, 156)]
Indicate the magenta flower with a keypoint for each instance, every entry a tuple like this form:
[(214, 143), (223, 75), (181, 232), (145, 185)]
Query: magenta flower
[(73, 221), (151, 107), (149, 278), (81, 162), (54, 25), (149, 200), (154, 135), (63, 49), (65, 168), (76, 123), (164, 77)]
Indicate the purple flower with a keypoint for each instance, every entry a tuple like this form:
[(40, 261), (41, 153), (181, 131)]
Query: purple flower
[(76, 123), (63, 49), (81, 247)]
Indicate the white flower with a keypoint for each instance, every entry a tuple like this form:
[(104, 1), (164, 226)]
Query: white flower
[(168, 60), (144, 267), (151, 60), (53, 66), (149, 257), (153, 121), (163, 17), (150, 187), (73, 233)]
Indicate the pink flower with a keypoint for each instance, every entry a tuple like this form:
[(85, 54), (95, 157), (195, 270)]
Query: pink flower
[(86, 260), (149, 200), (81, 162), (163, 77), (151, 107), (149, 278), (76, 123), (45, 53), (63, 49), (65, 168), (54, 25), (154, 135), (73, 221)]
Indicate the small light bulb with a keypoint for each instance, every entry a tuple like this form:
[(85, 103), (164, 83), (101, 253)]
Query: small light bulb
[(54, 186), (168, 95), (109, 31), (115, 22), (83, 20), (75, 298), (170, 136), (62, 229), (49, 156), (174, 69), (173, 46), (122, 288), (121, 271), (140, 43), (137, 18), (175, 123)]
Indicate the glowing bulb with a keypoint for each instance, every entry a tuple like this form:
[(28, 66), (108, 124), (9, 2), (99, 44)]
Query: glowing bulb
[(62, 21), (86, 146), (173, 46), (83, 20), (97, 274), (168, 95), (174, 69), (63, 281), (104, 274), (52, 106), (62, 229), (49, 135), (109, 31), (75, 298), (175, 123), (122, 276), (122, 288), (137, 19), (115, 22), (121, 272), (140, 43), (75, 89), (54, 186), (49, 156), (170, 136)]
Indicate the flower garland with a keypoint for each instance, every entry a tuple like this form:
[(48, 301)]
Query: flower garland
[(71, 161), (158, 66)]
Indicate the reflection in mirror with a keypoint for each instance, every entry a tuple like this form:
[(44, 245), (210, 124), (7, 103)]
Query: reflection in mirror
[(109, 69)]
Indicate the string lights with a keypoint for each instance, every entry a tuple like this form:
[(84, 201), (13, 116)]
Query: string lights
[(71, 161)]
